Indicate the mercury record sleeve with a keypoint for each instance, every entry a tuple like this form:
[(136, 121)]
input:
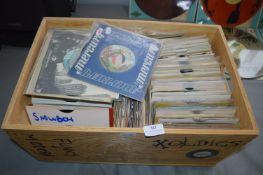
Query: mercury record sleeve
[(117, 60)]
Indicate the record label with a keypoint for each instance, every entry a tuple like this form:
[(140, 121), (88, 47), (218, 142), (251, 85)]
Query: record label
[(231, 13), (203, 153), (117, 58)]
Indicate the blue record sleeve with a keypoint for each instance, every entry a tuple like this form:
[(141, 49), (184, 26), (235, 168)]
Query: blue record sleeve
[(117, 60)]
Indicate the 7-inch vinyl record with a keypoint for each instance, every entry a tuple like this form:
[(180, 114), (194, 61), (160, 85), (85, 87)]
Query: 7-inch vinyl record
[(247, 52), (164, 9), (230, 13)]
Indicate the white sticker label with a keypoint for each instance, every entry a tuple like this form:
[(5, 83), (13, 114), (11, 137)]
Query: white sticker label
[(153, 130)]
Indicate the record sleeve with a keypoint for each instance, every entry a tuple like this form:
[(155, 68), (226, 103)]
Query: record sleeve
[(157, 86), (117, 60), (188, 111), (197, 120), (62, 102), (160, 73), (49, 77)]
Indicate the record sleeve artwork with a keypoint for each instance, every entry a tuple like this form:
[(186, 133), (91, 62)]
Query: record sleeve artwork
[(159, 9), (230, 13), (125, 63), (57, 55)]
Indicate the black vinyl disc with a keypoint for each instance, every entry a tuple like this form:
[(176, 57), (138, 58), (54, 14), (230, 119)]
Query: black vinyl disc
[(164, 9)]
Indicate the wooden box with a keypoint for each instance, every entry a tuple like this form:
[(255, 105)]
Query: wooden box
[(200, 147)]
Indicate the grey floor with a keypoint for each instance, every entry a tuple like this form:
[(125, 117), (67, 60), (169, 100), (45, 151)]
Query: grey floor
[(14, 161)]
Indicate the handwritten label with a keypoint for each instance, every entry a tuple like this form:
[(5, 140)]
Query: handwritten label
[(78, 146), (185, 142), (153, 130), (52, 115), (66, 146), (56, 146), (57, 118), (38, 146)]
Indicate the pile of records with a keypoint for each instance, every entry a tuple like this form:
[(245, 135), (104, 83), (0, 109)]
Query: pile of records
[(187, 87), (128, 113), (56, 98)]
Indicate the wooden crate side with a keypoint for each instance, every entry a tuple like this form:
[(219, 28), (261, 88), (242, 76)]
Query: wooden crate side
[(128, 147), (187, 131), (244, 110), (190, 29)]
